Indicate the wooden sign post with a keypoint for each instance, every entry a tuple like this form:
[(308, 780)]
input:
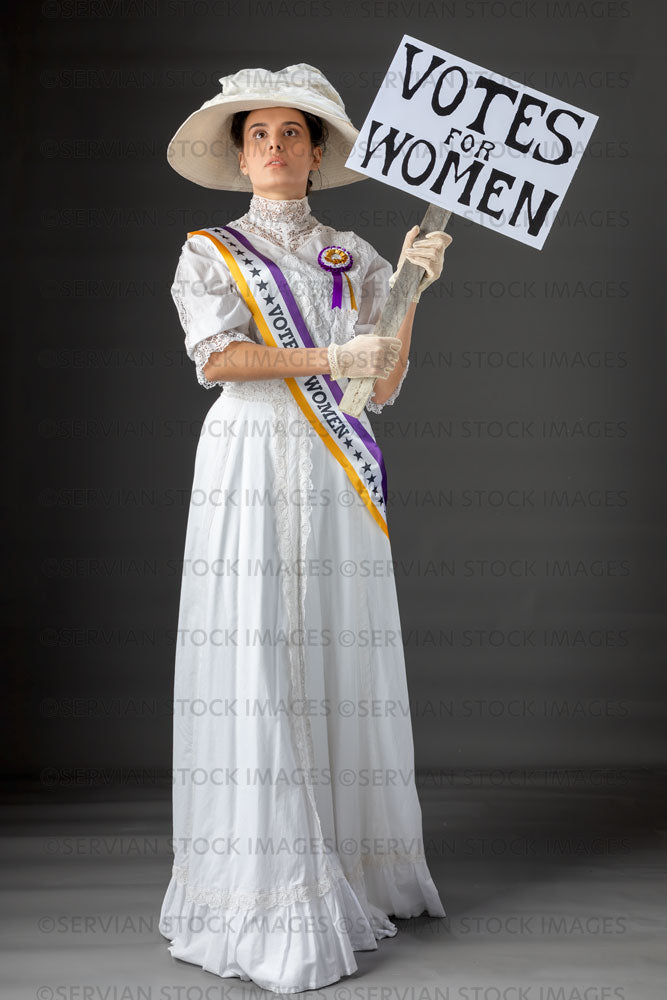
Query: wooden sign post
[(359, 390)]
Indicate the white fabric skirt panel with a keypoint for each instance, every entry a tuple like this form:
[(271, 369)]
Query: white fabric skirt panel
[(296, 821)]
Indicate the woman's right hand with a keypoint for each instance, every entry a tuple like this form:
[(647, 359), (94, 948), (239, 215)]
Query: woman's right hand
[(367, 356)]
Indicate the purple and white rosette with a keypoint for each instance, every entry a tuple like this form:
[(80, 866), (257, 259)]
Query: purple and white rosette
[(337, 260)]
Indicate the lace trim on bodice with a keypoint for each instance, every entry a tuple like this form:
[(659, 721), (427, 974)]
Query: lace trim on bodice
[(289, 222)]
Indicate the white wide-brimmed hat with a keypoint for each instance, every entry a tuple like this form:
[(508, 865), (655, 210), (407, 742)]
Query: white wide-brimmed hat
[(202, 149)]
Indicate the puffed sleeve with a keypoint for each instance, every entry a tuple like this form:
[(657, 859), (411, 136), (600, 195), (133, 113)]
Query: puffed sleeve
[(374, 293), (210, 307)]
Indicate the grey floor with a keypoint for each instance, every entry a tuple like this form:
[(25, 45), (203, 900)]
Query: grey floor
[(553, 884)]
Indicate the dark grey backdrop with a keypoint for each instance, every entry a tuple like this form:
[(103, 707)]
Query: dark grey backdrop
[(529, 429)]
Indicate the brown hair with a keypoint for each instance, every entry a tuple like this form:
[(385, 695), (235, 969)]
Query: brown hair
[(319, 133)]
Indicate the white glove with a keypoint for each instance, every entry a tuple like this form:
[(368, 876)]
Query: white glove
[(366, 355), (428, 252)]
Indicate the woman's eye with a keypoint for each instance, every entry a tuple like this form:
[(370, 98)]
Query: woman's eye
[(261, 132)]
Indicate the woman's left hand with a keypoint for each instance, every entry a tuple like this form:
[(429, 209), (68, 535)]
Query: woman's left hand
[(427, 252)]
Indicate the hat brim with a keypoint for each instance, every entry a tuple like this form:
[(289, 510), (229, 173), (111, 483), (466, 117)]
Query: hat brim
[(202, 150)]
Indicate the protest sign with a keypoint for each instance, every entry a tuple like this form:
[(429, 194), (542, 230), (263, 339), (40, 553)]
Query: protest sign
[(470, 140)]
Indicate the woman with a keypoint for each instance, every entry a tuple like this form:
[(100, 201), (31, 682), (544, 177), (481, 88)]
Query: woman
[(297, 826)]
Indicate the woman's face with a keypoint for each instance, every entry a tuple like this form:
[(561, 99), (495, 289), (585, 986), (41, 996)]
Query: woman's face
[(277, 153)]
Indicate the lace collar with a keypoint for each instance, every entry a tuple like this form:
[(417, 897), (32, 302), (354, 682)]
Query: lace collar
[(287, 222)]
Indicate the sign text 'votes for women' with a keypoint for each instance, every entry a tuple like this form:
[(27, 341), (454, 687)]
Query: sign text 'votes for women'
[(472, 141)]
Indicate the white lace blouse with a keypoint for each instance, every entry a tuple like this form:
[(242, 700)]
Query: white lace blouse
[(213, 312)]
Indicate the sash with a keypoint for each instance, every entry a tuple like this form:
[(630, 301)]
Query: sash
[(267, 294)]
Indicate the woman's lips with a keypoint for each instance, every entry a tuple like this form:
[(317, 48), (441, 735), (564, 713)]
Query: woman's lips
[(278, 164)]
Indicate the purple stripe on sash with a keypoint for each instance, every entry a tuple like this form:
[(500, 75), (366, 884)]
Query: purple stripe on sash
[(300, 324)]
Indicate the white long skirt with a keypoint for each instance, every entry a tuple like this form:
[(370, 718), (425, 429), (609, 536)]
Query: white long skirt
[(296, 821)]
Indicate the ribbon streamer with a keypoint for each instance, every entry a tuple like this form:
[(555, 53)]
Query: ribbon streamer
[(337, 260)]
